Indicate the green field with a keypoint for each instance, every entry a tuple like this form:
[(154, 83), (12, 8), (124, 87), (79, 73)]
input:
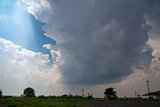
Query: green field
[(58, 102)]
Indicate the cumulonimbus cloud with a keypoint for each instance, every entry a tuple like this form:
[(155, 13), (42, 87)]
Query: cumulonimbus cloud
[(100, 41)]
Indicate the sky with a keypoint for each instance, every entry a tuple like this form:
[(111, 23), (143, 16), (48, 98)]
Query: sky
[(62, 46), (21, 27)]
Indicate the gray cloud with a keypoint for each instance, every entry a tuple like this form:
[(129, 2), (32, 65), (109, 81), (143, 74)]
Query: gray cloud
[(100, 40)]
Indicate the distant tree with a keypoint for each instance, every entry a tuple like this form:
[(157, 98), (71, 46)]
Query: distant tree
[(29, 92), (90, 97), (0, 93), (110, 93)]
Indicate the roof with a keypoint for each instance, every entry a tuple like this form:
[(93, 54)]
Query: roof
[(157, 93)]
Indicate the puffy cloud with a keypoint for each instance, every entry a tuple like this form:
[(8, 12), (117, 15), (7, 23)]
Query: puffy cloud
[(48, 46), (38, 8), (101, 41), (56, 55), (21, 68)]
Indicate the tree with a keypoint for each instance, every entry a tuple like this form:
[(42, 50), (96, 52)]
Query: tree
[(0, 93), (29, 92), (110, 93)]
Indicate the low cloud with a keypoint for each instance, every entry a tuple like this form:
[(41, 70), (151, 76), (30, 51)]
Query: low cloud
[(99, 41)]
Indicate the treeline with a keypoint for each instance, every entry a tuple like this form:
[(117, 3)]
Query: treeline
[(65, 96), (30, 92)]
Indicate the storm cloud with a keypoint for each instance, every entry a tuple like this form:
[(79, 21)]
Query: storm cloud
[(100, 41)]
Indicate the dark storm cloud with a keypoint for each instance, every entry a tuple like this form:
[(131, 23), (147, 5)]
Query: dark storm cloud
[(154, 17), (100, 40)]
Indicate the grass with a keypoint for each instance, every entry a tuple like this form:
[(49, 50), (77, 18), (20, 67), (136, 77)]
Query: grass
[(59, 102), (35, 102)]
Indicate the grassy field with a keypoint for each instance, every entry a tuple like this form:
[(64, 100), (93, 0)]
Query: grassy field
[(55, 102)]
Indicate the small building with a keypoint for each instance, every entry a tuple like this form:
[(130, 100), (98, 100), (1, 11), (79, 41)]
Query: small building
[(155, 95)]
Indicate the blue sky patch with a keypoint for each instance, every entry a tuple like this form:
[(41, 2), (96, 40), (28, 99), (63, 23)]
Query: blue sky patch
[(22, 28)]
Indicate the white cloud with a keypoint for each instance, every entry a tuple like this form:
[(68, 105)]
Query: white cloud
[(48, 46), (20, 68), (38, 8), (56, 54)]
